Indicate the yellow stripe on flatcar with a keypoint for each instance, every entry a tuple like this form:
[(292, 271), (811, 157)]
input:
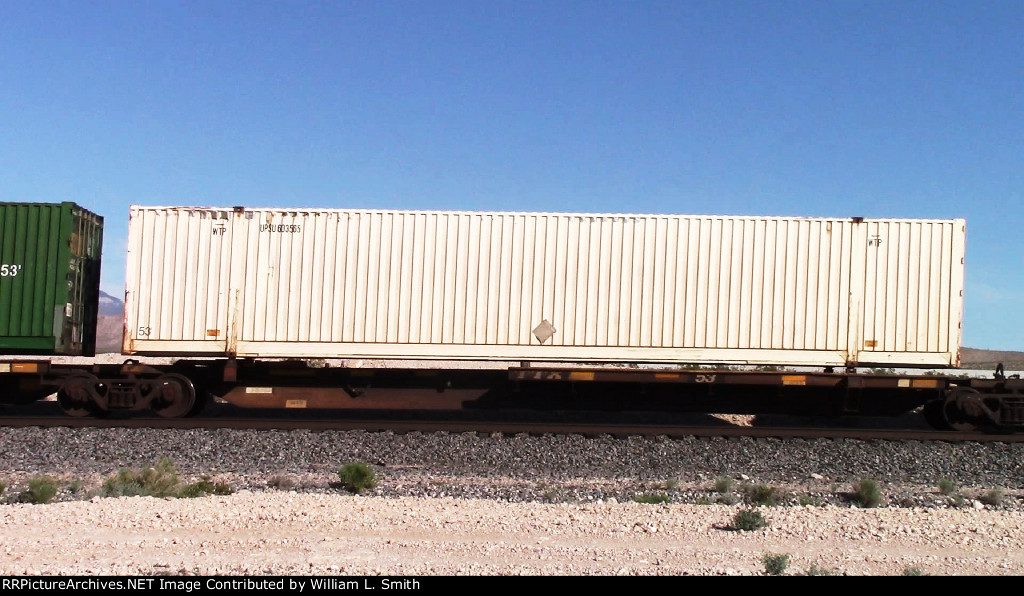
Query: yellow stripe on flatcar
[(581, 376), (794, 379)]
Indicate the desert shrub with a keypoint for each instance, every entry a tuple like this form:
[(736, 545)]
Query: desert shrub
[(760, 494), (357, 477), (808, 500), (203, 488), (866, 493), (748, 520), (281, 482), (723, 484), (913, 571), (947, 486), (815, 570), (728, 499), (161, 480), (906, 502), (775, 564), (41, 489), (653, 499), (3, 488), (993, 497), (77, 486)]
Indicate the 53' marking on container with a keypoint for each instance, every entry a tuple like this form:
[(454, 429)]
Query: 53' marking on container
[(10, 270)]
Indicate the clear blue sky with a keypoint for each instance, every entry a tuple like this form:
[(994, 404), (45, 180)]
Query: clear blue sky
[(909, 109)]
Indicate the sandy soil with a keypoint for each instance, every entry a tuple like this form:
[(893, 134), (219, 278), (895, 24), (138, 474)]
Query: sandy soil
[(290, 533)]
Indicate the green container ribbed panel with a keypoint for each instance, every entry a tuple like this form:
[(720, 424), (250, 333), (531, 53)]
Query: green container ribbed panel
[(49, 277)]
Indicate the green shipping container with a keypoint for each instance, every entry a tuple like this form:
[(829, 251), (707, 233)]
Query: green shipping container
[(49, 278)]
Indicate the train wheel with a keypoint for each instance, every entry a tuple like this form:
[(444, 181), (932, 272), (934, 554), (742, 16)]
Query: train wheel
[(934, 414), (202, 400), (75, 396), (965, 410), (175, 396)]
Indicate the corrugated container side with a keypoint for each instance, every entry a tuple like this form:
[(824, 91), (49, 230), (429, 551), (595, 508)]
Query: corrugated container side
[(544, 286), (49, 278)]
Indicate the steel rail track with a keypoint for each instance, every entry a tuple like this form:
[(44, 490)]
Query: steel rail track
[(507, 427)]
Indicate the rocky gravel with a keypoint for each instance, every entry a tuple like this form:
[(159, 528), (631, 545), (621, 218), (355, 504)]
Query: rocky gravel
[(491, 504), (520, 467)]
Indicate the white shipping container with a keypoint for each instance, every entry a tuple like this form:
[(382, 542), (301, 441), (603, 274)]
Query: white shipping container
[(335, 283)]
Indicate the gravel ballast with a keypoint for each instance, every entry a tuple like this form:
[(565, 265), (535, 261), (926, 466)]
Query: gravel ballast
[(492, 504)]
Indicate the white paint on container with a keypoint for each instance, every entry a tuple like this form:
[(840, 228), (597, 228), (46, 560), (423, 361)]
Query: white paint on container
[(334, 283)]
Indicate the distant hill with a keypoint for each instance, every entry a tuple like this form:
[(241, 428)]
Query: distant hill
[(110, 305), (988, 359), (110, 325)]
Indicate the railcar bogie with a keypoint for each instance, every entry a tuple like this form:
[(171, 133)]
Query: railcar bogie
[(995, 405)]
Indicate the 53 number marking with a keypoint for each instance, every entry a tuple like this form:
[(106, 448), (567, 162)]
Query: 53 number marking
[(10, 270)]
